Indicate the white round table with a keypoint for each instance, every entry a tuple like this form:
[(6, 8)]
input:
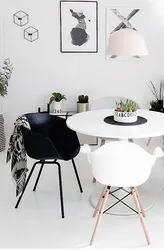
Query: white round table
[(92, 123)]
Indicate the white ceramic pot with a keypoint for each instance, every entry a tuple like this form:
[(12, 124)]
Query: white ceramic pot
[(125, 117), (57, 107)]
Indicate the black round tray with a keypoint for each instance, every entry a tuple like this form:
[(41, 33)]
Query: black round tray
[(110, 120)]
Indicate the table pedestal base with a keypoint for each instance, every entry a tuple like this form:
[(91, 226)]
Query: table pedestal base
[(120, 208)]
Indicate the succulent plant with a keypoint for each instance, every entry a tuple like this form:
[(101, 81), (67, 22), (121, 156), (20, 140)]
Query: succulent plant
[(57, 97), (83, 99), (127, 106)]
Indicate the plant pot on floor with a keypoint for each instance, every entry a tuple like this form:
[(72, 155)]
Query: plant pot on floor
[(82, 107), (57, 107)]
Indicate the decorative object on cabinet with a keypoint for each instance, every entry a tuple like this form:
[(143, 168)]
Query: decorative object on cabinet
[(31, 34), (80, 37), (82, 103), (47, 111), (21, 18), (134, 45), (157, 104), (56, 99), (5, 75)]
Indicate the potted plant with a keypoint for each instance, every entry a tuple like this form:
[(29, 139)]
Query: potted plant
[(5, 75), (125, 112), (82, 103), (56, 99), (157, 104)]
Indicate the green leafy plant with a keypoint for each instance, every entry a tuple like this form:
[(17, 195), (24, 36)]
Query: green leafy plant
[(127, 106), (158, 94), (5, 75), (57, 97), (83, 99)]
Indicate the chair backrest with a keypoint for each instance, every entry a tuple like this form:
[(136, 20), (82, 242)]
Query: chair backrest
[(38, 146), (121, 164), (55, 130), (40, 122), (107, 102)]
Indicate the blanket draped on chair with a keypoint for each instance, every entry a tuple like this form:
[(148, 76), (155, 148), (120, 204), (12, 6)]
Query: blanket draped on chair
[(17, 154)]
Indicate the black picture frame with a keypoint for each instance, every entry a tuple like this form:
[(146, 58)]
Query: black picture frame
[(95, 49)]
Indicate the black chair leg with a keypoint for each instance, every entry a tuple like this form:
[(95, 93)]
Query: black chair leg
[(61, 189), (20, 197), (37, 180), (77, 176)]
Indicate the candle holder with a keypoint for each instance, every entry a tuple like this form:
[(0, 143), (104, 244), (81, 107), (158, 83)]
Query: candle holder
[(46, 111)]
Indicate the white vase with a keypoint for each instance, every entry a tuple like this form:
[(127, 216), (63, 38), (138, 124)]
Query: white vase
[(57, 107)]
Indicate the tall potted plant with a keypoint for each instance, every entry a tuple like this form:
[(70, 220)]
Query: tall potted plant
[(56, 100), (82, 103), (157, 104), (5, 75)]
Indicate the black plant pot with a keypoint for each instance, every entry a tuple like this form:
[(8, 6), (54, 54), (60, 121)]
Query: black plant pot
[(157, 105)]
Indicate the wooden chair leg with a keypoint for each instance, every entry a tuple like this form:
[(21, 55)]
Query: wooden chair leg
[(140, 203), (99, 218), (149, 141), (100, 201), (102, 143), (94, 180), (140, 215)]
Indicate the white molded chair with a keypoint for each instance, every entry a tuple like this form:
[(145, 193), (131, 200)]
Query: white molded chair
[(107, 103), (121, 164)]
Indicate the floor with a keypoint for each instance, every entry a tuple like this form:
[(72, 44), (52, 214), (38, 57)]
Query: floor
[(37, 222)]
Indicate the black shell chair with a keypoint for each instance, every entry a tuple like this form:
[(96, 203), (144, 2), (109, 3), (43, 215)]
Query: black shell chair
[(48, 141)]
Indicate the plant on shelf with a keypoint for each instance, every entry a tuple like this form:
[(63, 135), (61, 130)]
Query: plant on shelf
[(82, 103), (5, 75), (83, 99), (157, 104), (56, 99), (127, 106)]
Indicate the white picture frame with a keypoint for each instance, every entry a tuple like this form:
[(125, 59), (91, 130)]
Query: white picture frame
[(78, 26)]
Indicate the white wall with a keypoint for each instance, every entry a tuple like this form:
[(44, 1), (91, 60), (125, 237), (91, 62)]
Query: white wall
[(40, 68)]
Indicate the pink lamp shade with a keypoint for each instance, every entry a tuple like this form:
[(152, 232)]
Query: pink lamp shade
[(126, 42)]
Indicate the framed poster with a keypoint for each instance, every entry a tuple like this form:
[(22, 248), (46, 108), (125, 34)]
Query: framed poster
[(122, 17), (78, 26)]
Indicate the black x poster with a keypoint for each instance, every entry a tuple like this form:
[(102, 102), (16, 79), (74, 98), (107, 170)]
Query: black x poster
[(119, 18)]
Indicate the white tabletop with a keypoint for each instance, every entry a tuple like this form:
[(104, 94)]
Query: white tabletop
[(92, 123)]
